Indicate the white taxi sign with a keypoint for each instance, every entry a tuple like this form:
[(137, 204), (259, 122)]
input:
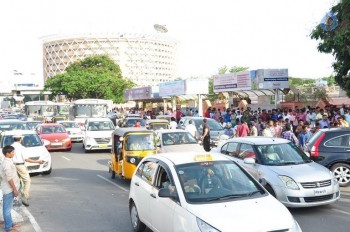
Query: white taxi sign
[(203, 157)]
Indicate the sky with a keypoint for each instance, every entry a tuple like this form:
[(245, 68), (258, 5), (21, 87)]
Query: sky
[(210, 34)]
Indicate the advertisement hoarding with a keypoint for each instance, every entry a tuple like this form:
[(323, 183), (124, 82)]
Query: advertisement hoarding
[(232, 82), (269, 79), (173, 88), (138, 93)]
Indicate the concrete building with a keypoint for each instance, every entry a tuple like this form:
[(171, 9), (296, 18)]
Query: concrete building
[(143, 59)]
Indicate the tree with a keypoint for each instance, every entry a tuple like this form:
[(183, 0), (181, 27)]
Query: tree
[(337, 43), (93, 77)]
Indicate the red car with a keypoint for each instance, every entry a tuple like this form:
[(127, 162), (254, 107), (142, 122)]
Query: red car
[(56, 134)]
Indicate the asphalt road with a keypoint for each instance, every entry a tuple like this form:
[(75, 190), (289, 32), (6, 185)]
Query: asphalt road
[(79, 195)]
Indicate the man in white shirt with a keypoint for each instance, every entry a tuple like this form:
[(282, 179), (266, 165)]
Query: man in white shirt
[(173, 124), (192, 129), (19, 159)]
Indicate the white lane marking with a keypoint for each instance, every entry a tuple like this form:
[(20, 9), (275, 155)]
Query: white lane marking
[(65, 158), (32, 220), (111, 182), (341, 211)]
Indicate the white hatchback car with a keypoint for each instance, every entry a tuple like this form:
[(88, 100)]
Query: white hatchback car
[(98, 134), (202, 192), (291, 176), (35, 149), (73, 129)]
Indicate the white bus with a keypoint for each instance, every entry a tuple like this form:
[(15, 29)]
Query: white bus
[(89, 108), (46, 110)]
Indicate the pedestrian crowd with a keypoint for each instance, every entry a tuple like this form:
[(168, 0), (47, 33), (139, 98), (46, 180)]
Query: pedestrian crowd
[(296, 125)]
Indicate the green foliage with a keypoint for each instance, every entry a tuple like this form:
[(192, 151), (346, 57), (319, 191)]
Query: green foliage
[(330, 80), (320, 93), (337, 43), (298, 82), (93, 77)]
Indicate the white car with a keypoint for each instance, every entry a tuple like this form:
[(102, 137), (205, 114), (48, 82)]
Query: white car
[(74, 130), (35, 149), (291, 176), (192, 191), (170, 140), (98, 134)]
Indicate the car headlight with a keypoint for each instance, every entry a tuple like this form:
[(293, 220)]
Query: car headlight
[(66, 140), (289, 183), (205, 227), (334, 179)]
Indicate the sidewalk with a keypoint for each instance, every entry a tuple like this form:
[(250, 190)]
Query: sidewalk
[(20, 216)]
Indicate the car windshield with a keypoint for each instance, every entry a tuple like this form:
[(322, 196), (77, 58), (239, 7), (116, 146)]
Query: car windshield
[(178, 138), (13, 126), (204, 182), (53, 130), (132, 121), (139, 142), (158, 126), (100, 126), (28, 140), (70, 124), (32, 125), (282, 154), (213, 125)]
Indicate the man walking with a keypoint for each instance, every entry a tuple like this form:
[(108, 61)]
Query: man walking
[(19, 159), (9, 186), (206, 135)]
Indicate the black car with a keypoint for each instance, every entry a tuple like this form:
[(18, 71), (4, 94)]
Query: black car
[(331, 148)]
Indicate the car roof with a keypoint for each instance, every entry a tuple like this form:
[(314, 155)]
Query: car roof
[(20, 132), (98, 119), (158, 120), (170, 131), (67, 121), (258, 140), (6, 121), (347, 129), (122, 130), (190, 157), (51, 124)]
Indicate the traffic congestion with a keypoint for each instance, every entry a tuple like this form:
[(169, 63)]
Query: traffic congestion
[(260, 164)]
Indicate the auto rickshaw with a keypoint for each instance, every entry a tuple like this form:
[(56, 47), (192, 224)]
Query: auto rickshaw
[(129, 146), (157, 124)]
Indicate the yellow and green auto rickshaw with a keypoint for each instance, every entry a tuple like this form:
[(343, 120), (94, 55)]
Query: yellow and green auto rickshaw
[(129, 146), (157, 124)]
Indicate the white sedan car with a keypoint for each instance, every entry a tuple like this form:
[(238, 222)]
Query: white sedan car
[(202, 192), (74, 130), (291, 176), (35, 149)]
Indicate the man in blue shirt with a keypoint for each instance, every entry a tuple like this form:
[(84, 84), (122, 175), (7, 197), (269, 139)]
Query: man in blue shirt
[(304, 136)]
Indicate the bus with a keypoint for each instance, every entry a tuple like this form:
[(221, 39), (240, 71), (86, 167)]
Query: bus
[(89, 108), (46, 110)]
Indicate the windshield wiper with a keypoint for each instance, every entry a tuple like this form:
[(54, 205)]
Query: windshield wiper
[(253, 193), (287, 163), (226, 197)]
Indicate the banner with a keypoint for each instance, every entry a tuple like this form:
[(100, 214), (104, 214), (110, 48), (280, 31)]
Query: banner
[(232, 82)]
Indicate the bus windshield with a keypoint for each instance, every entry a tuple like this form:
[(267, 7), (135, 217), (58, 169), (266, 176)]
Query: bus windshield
[(94, 111)]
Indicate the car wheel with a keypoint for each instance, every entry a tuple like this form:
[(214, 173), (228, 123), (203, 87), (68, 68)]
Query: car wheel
[(341, 171), (48, 172), (137, 225), (270, 190)]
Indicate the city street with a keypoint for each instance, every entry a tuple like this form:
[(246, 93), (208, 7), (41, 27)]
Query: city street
[(79, 195)]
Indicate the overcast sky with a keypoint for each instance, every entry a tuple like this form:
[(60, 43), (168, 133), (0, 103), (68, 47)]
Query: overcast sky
[(210, 34)]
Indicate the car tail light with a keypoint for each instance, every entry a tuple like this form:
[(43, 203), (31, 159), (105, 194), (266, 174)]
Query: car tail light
[(314, 149)]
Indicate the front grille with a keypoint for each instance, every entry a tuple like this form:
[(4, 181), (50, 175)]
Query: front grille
[(34, 167), (318, 198), (102, 140), (35, 158), (318, 184)]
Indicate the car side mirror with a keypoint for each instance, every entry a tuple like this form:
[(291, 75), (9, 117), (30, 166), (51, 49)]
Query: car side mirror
[(263, 182)]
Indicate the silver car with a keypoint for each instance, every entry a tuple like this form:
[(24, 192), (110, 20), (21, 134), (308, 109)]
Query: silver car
[(290, 175)]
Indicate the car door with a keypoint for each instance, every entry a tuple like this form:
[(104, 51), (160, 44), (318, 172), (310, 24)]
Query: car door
[(143, 188), (247, 151), (162, 214)]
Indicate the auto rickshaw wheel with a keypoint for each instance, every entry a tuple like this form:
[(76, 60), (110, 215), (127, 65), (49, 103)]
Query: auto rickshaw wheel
[(113, 173)]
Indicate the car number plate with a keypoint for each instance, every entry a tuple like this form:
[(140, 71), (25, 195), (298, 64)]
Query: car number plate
[(103, 145), (320, 192), (56, 144)]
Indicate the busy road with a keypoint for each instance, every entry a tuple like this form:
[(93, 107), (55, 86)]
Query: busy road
[(79, 195)]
